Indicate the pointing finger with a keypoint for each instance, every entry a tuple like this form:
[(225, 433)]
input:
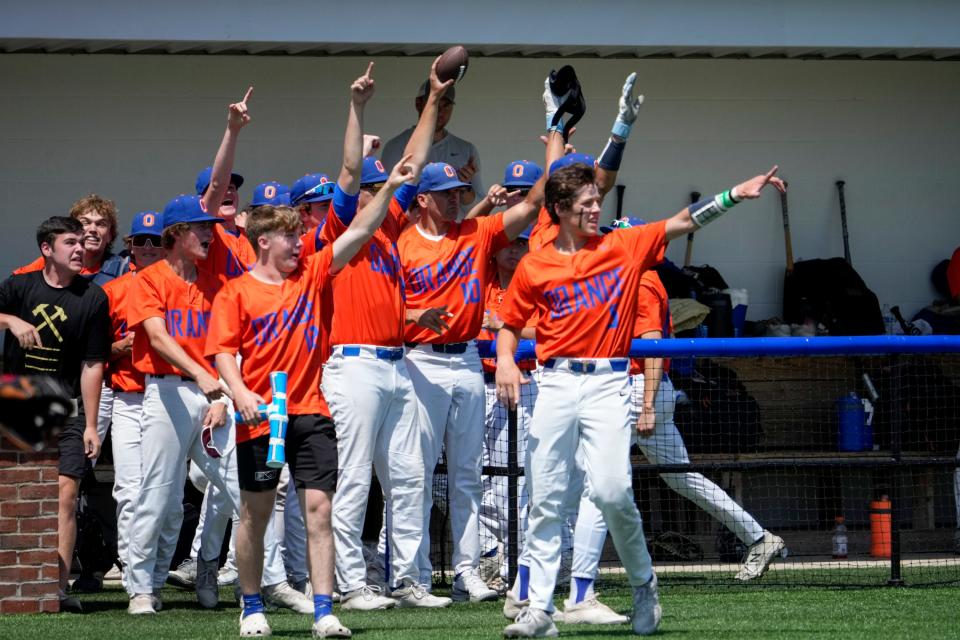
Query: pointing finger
[(369, 73), (247, 95), (769, 174)]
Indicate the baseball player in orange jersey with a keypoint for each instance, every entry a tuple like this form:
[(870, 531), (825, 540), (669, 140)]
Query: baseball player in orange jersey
[(169, 312), (268, 316), (658, 438), (445, 265), (126, 384), (584, 289), (366, 381)]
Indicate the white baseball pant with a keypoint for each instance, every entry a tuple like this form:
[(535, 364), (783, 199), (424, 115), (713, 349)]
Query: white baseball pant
[(665, 446), (104, 412), (450, 392), (215, 514), (173, 412), (590, 412), (494, 507), (375, 410)]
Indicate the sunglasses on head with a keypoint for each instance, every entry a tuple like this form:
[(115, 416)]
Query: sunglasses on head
[(206, 439), (142, 241)]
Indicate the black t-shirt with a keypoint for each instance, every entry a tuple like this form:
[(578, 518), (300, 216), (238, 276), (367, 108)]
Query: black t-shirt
[(73, 323)]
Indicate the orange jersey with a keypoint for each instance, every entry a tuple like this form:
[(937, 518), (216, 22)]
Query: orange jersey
[(122, 375), (185, 306), (544, 231), (653, 314), (587, 301), (275, 327), (230, 254), (368, 292), (451, 272), (493, 302)]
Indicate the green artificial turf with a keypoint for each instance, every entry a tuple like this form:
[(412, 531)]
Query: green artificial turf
[(689, 612)]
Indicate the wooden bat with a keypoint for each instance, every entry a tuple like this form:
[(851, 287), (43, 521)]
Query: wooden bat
[(688, 256), (843, 220)]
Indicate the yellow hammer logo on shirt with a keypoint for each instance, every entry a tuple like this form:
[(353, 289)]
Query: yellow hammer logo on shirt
[(50, 319)]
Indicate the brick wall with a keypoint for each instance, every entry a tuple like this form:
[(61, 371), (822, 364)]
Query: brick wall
[(28, 531)]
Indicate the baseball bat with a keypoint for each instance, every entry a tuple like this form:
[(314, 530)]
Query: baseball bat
[(621, 190), (843, 220), (909, 329), (688, 256), (788, 244)]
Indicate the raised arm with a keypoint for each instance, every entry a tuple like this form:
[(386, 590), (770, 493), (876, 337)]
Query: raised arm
[(361, 91), (701, 213), (237, 118), (369, 218), (608, 164), (418, 146)]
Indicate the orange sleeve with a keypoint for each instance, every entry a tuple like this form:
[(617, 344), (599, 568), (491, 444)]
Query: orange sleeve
[(318, 267), (333, 227), (647, 242), (494, 235), (226, 327), (649, 308), (518, 303), (36, 265), (544, 231), (145, 301)]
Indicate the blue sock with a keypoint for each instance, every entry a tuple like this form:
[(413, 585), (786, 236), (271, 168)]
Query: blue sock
[(252, 604), (322, 606), (523, 573), (583, 586)]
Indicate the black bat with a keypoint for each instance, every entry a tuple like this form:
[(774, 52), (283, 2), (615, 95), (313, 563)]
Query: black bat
[(621, 189), (843, 220), (909, 328)]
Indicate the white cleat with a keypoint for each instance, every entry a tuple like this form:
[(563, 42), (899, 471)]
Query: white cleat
[(329, 627), (759, 556), (141, 604), (366, 598), (590, 611), (512, 606), (227, 577), (416, 595), (470, 586), (531, 623), (254, 624), (646, 608), (284, 596), (184, 576)]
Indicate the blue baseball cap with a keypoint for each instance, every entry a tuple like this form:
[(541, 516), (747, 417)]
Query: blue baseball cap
[(313, 187), (373, 171), (572, 158), (521, 173), (147, 223), (622, 223), (186, 209), (204, 177), (439, 176), (272, 193)]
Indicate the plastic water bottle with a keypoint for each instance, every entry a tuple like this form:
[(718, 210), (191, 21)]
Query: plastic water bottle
[(889, 322), (840, 539)]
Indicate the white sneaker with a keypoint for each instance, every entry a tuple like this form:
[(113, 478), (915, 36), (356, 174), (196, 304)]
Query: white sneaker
[(141, 604), (590, 611), (366, 598), (329, 627), (184, 576), (416, 595), (469, 586), (512, 606), (228, 576), (254, 624), (531, 623), (113, 574), (284, 596), (646, 608), (208, 593), (759, 556)]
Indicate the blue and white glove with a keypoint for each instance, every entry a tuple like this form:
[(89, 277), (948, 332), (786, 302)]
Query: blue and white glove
[(629, 107), (551, 104)]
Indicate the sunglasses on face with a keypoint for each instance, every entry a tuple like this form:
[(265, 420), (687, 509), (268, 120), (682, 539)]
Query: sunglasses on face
[(373, 188), (206, 439), (142, 241)]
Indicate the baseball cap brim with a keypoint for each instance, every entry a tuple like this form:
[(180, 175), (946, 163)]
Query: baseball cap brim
[(518, 184)]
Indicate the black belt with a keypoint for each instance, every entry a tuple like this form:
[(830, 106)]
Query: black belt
[(172, 375), (449, 347)]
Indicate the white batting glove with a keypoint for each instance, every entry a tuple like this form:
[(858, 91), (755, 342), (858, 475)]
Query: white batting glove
[(629, 108), (551, 105)]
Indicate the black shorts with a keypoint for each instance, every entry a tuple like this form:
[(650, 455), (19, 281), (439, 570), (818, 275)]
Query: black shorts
[(311, 450), (73, 457)]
